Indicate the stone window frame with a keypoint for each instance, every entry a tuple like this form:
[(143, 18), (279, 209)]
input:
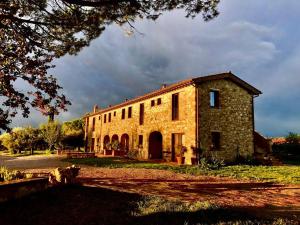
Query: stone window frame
[(217, 98), (212, 146)]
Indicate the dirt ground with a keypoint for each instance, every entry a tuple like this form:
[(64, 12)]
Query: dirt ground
[(276, 199), (217, 190)]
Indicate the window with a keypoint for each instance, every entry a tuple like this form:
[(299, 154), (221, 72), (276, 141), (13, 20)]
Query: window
[(93, 144), (115, 113), (158, 101), (140, 140), (123, 114), (152, 103), (175, 106), (87, 124), (99, 118), (104, 118), (176, 145), (129, 112), (214, 99), (94, 122), (109, 117), (142, 114), (215, 140)]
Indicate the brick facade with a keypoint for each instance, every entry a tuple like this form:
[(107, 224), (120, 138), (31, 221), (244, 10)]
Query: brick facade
[(232, 120)]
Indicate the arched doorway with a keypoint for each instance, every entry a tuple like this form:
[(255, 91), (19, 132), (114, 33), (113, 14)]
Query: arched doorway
[(106, 141), (155, 145), (125, 142), (115, 142), (114, 138)]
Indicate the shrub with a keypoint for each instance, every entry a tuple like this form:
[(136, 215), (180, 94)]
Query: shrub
[(211, 163), (133, 154), (292, 138), (8, 175)]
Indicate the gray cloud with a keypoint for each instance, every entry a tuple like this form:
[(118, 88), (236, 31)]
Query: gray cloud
[(115, 67)]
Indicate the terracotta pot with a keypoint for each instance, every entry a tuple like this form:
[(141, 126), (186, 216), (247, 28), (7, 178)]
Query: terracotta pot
[(180, 160), (194, 161)]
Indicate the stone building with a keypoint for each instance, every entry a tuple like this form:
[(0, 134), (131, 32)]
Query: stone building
[(213, 113)]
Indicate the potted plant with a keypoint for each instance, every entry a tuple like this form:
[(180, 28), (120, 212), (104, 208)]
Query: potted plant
[(180, 157), (115, 146)]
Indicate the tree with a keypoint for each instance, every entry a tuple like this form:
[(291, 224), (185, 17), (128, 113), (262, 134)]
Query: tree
[(292, 138), (51, 133), (73, 133), (34, 32), (33, 138)]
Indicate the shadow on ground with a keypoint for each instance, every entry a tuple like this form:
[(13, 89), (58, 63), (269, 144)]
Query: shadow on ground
[(81, 205), (220, 193)]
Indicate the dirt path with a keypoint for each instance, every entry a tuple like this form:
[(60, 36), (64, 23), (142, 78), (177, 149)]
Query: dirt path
[(217, 190), (32, 162), (221, 191)]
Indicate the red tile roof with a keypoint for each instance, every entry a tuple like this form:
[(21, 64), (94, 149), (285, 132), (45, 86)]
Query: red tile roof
[(228, 76)]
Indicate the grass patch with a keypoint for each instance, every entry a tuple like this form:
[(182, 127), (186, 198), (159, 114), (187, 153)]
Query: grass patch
[(153, 204), (25, 153), (280, 174)]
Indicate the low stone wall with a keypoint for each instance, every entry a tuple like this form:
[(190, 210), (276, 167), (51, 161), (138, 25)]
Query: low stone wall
[(19, 188), (80, 155)]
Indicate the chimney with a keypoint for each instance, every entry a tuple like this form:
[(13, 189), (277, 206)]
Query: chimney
[(163, 86), (95, 108), (126, 99)]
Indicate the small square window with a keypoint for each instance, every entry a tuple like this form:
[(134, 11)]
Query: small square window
[(214, 99), (152, 103), (215, 140), (158, 101)]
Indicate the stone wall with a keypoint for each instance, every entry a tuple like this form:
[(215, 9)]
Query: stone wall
[(156, 118), (233, 119)]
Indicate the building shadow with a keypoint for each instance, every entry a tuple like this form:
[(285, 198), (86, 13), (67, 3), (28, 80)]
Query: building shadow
[(81, 205)]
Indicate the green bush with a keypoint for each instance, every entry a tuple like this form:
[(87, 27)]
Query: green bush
[(211, 163)]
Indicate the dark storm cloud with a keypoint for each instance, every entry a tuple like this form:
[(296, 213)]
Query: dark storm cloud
[(264, 53)]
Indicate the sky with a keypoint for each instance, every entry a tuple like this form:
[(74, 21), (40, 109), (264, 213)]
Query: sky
[(256, 40)]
